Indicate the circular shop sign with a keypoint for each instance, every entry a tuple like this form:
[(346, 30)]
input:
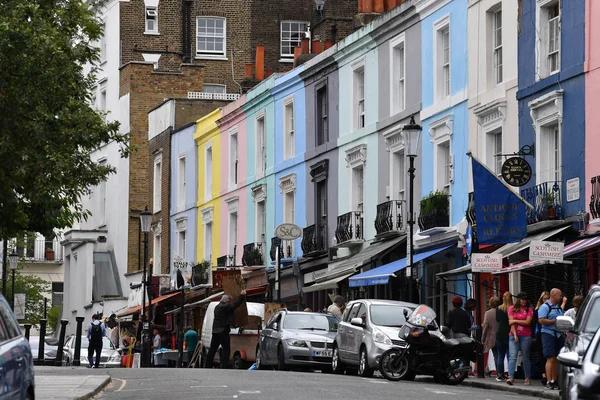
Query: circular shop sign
[(516, 171), (288, 231)]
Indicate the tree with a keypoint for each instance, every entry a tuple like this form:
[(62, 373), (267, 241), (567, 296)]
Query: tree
[(53, 317), (34, 289), (49, 128)]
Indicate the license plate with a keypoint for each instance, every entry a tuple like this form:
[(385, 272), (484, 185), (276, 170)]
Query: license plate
[(323, 353)]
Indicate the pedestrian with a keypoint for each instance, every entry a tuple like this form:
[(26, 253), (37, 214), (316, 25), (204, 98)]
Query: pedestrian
[(502, 331), (552, 340), (191, 340), (222, 322), (490, 325), (520, 316), (470, 308), (541, 364), (572, 312), (95, 334), (156, 345), (458, 319), (338, 307)]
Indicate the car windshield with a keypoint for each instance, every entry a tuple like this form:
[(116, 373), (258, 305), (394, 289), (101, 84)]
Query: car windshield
[(389, 315), (593, 322), (422, 316), (106, 343), (311, 322)]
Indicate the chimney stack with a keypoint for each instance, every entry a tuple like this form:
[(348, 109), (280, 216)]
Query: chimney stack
[(316, 46), (297, 52), (305, 45), (248, 71), (260, 62)]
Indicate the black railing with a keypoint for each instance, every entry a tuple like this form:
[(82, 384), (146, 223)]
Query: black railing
[(314, 240), (471, 210), (253, 254), (222, 261), (434, 212), (285, 249), (546, 199), (349, 227), (390, 217), (595, 198)]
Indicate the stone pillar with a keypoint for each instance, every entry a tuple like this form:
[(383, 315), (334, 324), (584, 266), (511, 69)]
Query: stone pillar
[(61, 342), (77, 357), (27, 330), (40, 358)]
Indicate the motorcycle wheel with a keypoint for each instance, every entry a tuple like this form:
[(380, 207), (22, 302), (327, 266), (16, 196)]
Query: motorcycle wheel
[(456, 378), (394, 366)]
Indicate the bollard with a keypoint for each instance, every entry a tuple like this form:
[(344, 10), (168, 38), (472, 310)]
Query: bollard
[(40, 358), (27, 330), (61, 342), (77, 357)]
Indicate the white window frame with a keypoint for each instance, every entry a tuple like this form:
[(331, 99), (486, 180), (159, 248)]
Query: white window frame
[(397, 170), (214, 88), (322, 118), (288, 190), (208, 168), (181, 232), (398, 74), (151, 14), (233, 158), (491, 118), (260, 145), (209, 53), (157, 187), (207, 221), (232, 206), (441, 131), (358, 100), (547, 113), (497, 48), (442, 71), (101, 198), (289, 137), (356, 158), (156, 266), (543, 38), (290, 55), (493, 153), (181, 182), (103, 96), (103, 44)]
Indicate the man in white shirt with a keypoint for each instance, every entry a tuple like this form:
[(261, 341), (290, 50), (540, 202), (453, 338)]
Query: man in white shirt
[(338, 307), (156, 345)]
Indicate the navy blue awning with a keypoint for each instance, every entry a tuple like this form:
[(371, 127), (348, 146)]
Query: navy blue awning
[(381, 275)]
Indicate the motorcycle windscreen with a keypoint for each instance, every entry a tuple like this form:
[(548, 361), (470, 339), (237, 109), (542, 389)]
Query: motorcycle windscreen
[(422, 316)]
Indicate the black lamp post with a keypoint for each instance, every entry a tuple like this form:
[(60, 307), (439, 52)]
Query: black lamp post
[(412, 137), (14, 263), (145, 222)]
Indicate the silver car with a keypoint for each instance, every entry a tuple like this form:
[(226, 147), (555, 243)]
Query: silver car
[(110, 357), (587, 384), (297, 339), (368, 328)]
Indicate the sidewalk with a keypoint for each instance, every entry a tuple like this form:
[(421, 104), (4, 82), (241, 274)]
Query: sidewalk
[(536, 389), (69, 387)]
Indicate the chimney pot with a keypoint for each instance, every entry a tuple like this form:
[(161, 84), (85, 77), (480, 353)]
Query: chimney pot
[(398, 2), (297, 52), (305, 46), (378, 6), (248, 70), (361, 6), (367, 6), (260, 62), (389, 4), (269, 72), (328, 44), (316, 46)]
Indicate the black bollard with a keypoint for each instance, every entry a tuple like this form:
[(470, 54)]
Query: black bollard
[(27, 330), (40, 358), (77, 357), (61, 342)]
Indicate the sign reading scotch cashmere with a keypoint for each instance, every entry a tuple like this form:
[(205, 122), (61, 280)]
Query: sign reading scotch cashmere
[(546, 251), (500, 214), (486, 262)]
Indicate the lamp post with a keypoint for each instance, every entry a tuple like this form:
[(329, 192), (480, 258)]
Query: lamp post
[(412, 138), (145, 222), (14, 263)]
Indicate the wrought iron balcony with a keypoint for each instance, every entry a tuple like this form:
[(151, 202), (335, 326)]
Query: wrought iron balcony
[(222, 261), (546, 199), (471, 210), (349, 229), (595, 198), (434, 211), (253, 254), (314, 240), (389, 221), (285, 248), (37, 250)]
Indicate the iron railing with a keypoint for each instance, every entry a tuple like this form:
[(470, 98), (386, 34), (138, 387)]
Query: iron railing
[(595, 198), (349, 227), (390, 217), (314, 240), (222, 261), (434, 212), (253, 254), (546, 199), (285, 249)]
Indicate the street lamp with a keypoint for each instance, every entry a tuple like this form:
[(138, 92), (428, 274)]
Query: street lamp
[(145, 223), (14, 263), (412, 137)]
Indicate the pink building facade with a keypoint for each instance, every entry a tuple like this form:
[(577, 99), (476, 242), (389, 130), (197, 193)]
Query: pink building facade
[(592, 105)]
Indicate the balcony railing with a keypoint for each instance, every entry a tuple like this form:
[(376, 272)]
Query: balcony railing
[(390, 218), (285, 249), (253, 254), (434, 211), (314, 240), (470, 215), (595, 198), (349, 228), (222, 261), (38, 250), (546, 199)]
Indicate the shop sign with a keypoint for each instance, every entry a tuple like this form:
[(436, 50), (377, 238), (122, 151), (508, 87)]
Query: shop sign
[(219, 276), (288, 231), (572, 189), (516, 171), (481, 262), (20, 305), (546, 251)]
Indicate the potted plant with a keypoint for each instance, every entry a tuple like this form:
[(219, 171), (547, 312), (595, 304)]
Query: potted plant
[(50, 254), (550, 199), (434, 204)]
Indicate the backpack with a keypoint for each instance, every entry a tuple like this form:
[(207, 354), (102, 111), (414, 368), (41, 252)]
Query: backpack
[(96, 333)]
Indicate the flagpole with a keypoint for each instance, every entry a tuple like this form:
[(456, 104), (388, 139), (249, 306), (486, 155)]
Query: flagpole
[(501, 181)]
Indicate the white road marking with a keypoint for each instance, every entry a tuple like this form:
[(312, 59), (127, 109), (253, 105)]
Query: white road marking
[(249, 391), (208, 386), (380, 381), (437, 391), (123, 383)]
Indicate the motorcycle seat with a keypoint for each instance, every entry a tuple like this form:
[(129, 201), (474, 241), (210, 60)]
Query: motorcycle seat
[(450, 342), (464, 340)]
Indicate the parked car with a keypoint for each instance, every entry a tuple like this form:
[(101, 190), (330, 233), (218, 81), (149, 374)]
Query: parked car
[(243, 340), (587, 385), (297, 339), (579, 334), (368, 328), (50, 347), (16, 361), (110, 357)]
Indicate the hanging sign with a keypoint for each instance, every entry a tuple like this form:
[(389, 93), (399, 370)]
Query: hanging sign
[(481, 262), (516, 171), (546, 251), (20, 305), (572, 189), (288, 231)]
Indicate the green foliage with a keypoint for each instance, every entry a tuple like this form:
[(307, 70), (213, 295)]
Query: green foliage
[(436, 200), (53, 317), (48, 128), (34, 289)]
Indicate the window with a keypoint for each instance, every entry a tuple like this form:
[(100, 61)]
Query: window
[(442, 85), (157, 183), (398, 71), (321, 215), (181, 236), (151, 20), (446, 62), (359, 97), (210, 36), (358, 185), (261, 153), (288, 189), (233, 231), (497, 43), (398, 176), (208, 241), (494, 151), (101, 199), (550, 154), (103, 97), (214, 88), (233, 158), (444, 166), (292, 33), (157, 253), (322, 111), (289, 210), (181, 184), (208, 175), (553, 38), (548, 37), (103, 44), (261, 222), (288, 115), (58, 289)]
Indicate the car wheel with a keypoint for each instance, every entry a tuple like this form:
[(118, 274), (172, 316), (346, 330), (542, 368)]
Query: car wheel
[(363, 364), (203, 357), (281, 359), (336, 363), (564, 383), (237, 362), (258, 362), (29, 395)]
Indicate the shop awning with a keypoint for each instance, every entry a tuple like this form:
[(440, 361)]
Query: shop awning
[(513, 248), (326, 285), (573, 248), (155, 301), (381, 275), (466, 269), (217, 296)]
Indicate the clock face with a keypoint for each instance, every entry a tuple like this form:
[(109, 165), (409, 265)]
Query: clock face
[(516, 171)]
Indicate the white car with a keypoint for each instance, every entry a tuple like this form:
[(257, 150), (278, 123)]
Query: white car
[(110, 357)]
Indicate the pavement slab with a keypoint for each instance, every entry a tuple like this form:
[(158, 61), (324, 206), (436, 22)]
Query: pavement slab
[(69, 387)]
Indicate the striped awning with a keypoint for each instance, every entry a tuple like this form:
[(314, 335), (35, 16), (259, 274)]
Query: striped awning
[(573, 248)]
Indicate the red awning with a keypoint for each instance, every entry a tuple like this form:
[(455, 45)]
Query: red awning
[(157, 300)]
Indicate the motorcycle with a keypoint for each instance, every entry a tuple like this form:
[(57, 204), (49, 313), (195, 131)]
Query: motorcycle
[(426, 349)]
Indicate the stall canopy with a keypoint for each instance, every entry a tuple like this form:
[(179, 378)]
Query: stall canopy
[(326, 285), (513, 248), (466, 269), (381, 275), (573, 248), (155, 301)]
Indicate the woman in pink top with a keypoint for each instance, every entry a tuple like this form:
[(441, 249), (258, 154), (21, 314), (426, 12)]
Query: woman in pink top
[(519, 316)]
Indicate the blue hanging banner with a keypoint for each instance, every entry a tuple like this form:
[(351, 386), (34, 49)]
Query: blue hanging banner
[(501, 215)]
